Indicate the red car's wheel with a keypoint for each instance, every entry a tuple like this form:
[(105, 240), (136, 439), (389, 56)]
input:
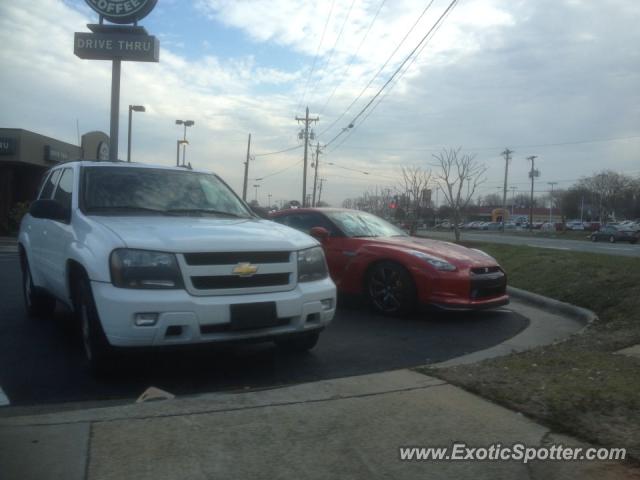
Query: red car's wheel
[(391, 289)]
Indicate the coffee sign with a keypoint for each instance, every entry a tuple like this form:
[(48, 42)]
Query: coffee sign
[(122, 11)]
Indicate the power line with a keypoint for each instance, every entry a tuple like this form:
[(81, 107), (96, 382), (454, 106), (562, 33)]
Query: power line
[(277, 172), (539, 145), (333, 49), (315, 59), (279, 151), (379, 71), (433, 27), (354, 128), (352, 59)]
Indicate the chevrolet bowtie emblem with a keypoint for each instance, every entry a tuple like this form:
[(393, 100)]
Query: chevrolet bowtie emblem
[(244, 269)]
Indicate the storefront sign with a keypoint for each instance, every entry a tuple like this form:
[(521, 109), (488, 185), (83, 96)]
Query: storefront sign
[(55, 156), (109, 46), (7, 146)]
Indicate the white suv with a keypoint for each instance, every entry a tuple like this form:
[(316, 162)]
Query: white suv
[(151, 256)]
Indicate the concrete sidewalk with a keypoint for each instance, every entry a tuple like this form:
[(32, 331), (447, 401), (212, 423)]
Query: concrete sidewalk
[(345, 428)]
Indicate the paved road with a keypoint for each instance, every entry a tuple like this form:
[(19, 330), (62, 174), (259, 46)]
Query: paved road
[(41, 360), (622, 249)]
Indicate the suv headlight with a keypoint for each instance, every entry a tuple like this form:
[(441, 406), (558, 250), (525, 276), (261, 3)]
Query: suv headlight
[(312, 265), (144, 269), (435, 262)]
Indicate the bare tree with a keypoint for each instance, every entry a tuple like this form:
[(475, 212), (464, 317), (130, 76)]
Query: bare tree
[(414, 185), (608, 189), (459, 178)]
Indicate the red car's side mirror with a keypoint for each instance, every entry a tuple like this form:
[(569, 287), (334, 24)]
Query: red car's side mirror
[(319, 233)]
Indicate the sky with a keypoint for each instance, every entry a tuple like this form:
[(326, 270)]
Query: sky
[(554, 78)]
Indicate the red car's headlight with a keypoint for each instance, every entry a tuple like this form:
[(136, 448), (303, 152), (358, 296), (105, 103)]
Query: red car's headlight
[(435, 262)]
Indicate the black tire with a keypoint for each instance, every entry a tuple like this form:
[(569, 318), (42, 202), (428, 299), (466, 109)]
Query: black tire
[(390, 289), (298, 343), (37, 302), (612, 239), (97, 350)]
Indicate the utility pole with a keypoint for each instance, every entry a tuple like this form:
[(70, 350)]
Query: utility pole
[(269, 203), (315, 175), (246, 170), (533, 173), (305, 133), (551, 202), (322, 180), (507, 158)]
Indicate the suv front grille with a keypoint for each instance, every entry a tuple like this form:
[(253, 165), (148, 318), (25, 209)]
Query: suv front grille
[(232, 258), (212, 273), (231, 281)]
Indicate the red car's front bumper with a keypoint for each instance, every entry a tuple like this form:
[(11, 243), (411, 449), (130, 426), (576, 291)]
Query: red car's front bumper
[(472, 289)]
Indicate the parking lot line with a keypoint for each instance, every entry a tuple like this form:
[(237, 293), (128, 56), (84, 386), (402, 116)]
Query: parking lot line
[(4, 400)]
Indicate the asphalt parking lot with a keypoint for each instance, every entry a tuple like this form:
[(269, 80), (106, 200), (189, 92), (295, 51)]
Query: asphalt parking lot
[(41, 362)]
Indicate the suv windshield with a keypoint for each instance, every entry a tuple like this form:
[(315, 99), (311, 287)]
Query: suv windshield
[(360, 224), (109, 190)]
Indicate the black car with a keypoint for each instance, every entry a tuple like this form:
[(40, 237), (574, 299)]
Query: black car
[(613, 234)]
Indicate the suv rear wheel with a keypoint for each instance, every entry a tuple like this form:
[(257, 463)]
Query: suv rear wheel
[(36, 302)]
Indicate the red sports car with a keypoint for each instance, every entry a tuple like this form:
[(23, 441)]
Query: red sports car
[(367, 255)]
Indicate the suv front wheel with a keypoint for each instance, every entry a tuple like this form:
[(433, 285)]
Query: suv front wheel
[(98, 352), (36, 302)]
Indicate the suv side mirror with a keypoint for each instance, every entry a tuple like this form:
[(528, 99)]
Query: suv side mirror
[(319, 233), (50, 210)]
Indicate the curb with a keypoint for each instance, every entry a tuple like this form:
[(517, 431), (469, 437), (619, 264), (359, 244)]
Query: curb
[(582, 315), (538, 333)]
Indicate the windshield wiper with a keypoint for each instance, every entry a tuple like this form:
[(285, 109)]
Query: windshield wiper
[(130, 208), (203, 210)]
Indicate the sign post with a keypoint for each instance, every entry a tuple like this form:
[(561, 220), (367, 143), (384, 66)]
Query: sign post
[(118, 43)]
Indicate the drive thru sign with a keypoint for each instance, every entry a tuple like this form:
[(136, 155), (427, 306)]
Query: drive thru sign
[(118, 43)]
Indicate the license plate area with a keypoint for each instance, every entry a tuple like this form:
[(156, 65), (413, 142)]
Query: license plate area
[(252, 316)]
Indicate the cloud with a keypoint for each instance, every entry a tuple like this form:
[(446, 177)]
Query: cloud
[(497, 74)]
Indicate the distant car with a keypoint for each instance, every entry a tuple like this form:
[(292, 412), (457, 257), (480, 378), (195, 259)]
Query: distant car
[(612, 234), (592, 226), (574, 225), (548, 226), (493, 226), (368, 256), (629, 226)]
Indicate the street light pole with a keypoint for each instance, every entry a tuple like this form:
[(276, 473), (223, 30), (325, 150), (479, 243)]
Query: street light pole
[(186, 123), (132, 108), (551, 202), (256, 186), (532, 174), (178, 143)]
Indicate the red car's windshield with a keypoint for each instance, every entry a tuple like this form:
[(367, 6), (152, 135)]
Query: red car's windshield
[(361, 224)]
